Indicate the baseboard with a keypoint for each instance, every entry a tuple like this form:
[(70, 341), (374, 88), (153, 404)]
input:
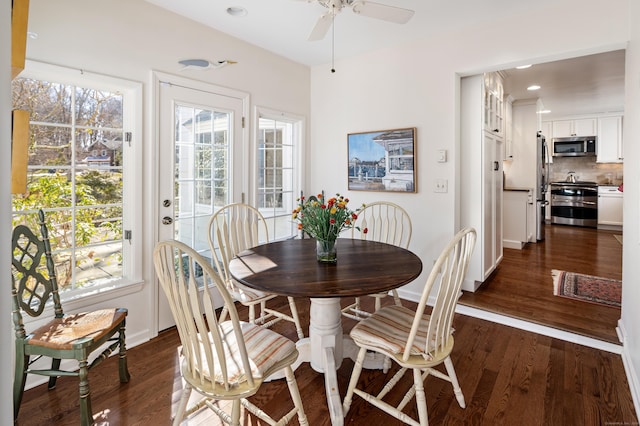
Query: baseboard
[(513, 244), (630, 371)]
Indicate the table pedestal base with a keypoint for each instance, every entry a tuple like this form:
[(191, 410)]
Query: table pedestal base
[(326, 347)]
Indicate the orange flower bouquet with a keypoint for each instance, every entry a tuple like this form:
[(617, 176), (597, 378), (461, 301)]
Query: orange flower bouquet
[(324, 220)]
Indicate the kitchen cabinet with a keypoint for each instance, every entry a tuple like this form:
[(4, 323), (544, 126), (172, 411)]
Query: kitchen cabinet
[(508, 128), (575, 127), (481, 177), (609, 143), (492, 202), (516, 216), (493, 110), (609, 206)]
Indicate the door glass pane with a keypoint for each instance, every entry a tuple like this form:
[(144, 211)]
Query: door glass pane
[(201, 170)]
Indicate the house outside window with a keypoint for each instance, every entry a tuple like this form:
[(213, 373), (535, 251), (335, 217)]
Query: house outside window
[(80, 172), (279, 144)]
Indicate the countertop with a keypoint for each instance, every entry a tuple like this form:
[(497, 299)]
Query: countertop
[(517, 188)]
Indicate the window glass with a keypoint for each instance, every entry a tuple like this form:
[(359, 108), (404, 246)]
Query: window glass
[(76, 175), (277, 178)]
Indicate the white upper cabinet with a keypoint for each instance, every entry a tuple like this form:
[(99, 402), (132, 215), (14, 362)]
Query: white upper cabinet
[(508, 128), (577, 127), (609, 143), (493, 108)]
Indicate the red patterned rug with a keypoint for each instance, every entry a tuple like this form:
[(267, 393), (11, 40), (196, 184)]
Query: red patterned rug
[(587, 288)]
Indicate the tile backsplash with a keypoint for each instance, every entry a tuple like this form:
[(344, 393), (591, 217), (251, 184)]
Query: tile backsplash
[(586, 168)]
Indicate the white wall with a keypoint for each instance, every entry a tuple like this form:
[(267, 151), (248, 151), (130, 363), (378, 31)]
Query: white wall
[(631, 243), (129, 39), (417, 85)]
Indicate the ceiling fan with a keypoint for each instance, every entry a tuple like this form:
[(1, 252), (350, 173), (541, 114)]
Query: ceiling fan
[(367, 8)]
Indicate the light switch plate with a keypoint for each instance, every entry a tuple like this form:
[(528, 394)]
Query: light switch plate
[(442, 156)]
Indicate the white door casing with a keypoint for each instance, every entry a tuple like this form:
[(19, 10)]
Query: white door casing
[(202, 162)]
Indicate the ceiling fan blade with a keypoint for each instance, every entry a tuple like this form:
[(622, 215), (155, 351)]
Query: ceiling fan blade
[(322, 26), (382, 11)]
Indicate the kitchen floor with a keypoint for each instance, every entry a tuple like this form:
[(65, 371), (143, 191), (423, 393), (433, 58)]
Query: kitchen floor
[(522, 286)]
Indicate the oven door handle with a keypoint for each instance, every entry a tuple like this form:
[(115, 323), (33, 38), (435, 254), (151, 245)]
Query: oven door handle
[(576, 202)]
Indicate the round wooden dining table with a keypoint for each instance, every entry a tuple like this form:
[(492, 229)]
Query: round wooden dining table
[(290, 268)]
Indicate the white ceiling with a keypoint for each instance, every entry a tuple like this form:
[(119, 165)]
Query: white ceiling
[(282, 26), (588, 84)]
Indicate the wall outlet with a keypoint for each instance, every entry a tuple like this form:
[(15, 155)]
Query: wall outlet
[(441, 185)]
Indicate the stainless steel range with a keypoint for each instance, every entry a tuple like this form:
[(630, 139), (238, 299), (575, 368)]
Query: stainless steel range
[(574, 203)]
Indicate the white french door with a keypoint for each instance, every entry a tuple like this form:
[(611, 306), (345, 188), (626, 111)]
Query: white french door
[(202, 164)]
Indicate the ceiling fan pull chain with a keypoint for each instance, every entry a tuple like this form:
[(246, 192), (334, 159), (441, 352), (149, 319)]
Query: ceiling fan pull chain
[(333, 39)]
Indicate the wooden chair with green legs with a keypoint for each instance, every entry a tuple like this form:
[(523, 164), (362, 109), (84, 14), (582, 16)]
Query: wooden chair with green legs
[(65, 337)]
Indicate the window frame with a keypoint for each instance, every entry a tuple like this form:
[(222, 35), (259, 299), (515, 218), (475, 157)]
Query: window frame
[(298, 123), (131, 91)]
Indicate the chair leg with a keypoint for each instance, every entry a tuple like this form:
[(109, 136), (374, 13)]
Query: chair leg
[(182, 406), (19, 380), (123, 368), (454, 381), (296, 318), (86, 415), (355, 375), (252, 314), (55, 365), (295, 396), (235, 413), (396, 297), (421, 399)]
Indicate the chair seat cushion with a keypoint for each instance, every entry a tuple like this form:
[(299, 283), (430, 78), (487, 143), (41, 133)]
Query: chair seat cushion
[(63, 333), (265, 348), (388, 329)]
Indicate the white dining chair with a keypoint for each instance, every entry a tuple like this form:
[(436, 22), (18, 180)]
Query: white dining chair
[(416, 340), (232, 229), (221, 359), (384, 222)]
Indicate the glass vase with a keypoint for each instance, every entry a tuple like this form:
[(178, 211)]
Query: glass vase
[(326, 251)]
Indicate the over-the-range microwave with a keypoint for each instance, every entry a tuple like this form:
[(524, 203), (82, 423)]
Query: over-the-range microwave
[(574, 146)]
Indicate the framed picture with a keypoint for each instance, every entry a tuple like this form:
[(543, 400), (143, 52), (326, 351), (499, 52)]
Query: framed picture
[(383, 160)]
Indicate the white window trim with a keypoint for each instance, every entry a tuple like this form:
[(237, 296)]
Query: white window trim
[(132, 272), (273, 114)]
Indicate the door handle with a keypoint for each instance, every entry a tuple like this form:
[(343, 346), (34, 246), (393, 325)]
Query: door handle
[(167, 220), (496, 166)]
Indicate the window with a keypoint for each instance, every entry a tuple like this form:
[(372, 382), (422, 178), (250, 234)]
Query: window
[(278, 159), (81, 172)]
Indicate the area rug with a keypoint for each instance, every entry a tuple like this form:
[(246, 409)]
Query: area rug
[(618, 237), (587, 288)]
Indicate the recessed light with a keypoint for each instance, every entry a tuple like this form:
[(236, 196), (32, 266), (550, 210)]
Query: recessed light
[(522, 67), (545, 111), (237, 11), (533, 87)]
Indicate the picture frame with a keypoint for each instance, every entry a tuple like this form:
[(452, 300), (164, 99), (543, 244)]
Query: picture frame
[(383, 160)]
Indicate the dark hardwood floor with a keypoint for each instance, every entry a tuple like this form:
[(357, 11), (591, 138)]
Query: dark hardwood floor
[(508, 377), (522, 287)]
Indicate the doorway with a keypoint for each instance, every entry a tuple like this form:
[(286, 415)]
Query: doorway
[(202, 163), (521, 286)]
